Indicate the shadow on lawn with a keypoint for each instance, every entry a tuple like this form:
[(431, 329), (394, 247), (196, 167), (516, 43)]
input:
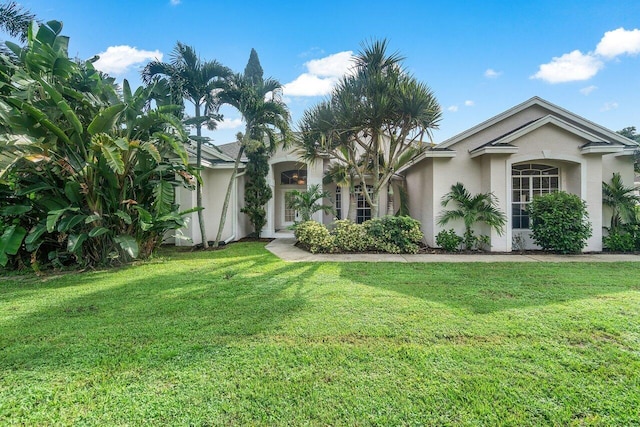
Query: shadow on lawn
[(148, 314), (486, 288)]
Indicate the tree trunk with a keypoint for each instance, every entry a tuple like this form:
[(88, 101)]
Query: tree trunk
[(203, 232), (353, 205), (225, 206)]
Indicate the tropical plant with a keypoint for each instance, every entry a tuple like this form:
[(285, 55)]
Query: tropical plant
[(559, 222), (88, 175), (471, 210), (449, 240), (621, 200), (375, 122), (343, 177), (257, 191), (199, 83), (15, 20), (265, 114), (308, 202)]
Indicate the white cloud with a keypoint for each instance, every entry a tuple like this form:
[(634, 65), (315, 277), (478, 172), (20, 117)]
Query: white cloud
[(574, 66), (619, 42), (321, 76), (118, 59), (453, 108), (492, 74), (608, 106), (230, 124), (587, 90), (174, 2), (469, 103)]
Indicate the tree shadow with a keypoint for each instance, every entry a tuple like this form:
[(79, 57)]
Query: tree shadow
[(147, 314), (486, 288)]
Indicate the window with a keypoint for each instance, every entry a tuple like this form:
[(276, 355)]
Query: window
[(529, 180), (364, 209), (337, 204), (294, 177)]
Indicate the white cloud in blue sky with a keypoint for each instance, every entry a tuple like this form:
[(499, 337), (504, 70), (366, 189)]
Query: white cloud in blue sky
[(321, 76), (587, 90), (174, 2), (117, 60), (578, 66), (619, 42), (492, 74)]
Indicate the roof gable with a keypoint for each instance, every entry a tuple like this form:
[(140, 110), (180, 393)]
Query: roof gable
[(567, 118)]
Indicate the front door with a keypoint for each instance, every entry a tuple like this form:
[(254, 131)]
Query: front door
[(289, 216)]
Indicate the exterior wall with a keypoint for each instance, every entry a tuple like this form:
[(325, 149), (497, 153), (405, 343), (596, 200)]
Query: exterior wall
[(215, 182)]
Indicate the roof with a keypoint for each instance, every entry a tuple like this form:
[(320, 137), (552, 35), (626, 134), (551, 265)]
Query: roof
[(565, 115), (231, 150)]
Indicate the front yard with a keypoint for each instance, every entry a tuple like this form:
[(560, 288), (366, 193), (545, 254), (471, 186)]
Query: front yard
[(239, 337)]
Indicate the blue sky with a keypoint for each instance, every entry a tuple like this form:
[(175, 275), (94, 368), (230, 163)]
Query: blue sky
[(480, 58)]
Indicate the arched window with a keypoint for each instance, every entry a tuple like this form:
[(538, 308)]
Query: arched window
[(529, 180)]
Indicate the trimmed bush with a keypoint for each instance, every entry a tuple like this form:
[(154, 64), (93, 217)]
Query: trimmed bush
[(395, 234), (448, 240), (559, 222), (314, 237), (350, 237), (619, 242)]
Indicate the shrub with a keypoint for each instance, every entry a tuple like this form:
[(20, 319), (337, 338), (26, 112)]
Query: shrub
[(394, 234), (351, 237), (449, 240), (559, 222), (619, 242), (314, 237)]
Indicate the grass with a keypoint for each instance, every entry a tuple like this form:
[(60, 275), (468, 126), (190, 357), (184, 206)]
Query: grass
[(239, 337)]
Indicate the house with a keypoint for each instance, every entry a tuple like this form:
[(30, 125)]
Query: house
[(533, 148)]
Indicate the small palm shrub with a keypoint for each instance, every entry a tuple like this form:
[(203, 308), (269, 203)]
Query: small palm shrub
[(314, 237), (448, 240), (350, 237), (395, 234), (559, 222)]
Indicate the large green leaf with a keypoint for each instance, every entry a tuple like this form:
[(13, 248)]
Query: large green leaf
[(10, 242), (75, 241), (98, 231), (128, 244), (113, 156), (152, 150), (124, 216), (54, 216), (164, 197), (63, 106), (12, 210), (68, 223), (106, 119), (33, 239)]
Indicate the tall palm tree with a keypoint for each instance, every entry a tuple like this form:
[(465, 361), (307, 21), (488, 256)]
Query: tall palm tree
[(199, 83), (472, 209), (621, 200), (266, 119)]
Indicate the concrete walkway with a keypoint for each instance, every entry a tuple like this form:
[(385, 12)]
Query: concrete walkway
[(284, 249)]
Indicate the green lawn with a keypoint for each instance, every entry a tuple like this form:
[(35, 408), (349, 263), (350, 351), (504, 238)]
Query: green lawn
[(239, 337)]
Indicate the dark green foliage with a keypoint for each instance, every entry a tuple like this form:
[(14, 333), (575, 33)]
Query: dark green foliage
[(257, 191), (253, 71), (619, 242), (471, 210), (449, 240), (394, 234), (559, 222), (86, 175), (309, 202), (391, 234)]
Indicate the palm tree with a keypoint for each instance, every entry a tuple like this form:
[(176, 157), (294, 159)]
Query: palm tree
[(472, 209), (266, 119), (15, 20), (375, 122), (198, 82), (309, 202), (621, 200)]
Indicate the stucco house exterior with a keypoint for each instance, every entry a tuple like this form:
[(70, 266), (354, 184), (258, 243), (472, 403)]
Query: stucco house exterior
[(533, 148)]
